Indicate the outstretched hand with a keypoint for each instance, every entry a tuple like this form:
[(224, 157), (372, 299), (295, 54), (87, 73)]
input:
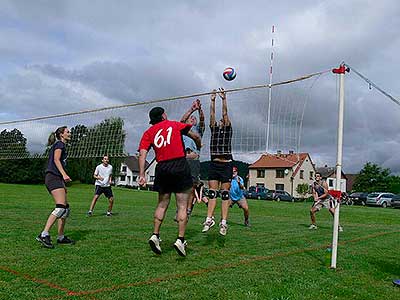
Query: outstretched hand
[(214, 95), (221, 93)]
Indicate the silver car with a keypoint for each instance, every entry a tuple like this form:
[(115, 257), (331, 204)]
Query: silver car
[(379, 199)]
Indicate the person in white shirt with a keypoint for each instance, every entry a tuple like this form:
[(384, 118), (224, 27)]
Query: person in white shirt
[(103, 176)]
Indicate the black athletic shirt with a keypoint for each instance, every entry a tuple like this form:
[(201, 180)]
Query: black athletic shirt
[(51, 166), (221, 142)]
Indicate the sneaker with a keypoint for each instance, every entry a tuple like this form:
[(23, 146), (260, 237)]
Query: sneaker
[(109, 214), (89, 213), (46, 241), (154, 243), (180, 247), (247, 223), (223, 229), (66, 241), (312, 226), (208, 225), (340, 228)]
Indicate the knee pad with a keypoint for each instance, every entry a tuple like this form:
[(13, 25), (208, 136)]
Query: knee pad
[(225, 195), (67, 212), (212, 194), (60, 211)]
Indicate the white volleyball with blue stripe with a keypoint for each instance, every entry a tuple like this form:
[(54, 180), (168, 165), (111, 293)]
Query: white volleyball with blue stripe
[(229, 74)]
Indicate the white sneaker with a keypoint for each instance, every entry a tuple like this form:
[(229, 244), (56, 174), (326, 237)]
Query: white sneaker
[(208, 225), (180, 247), (154, 243), (312, 226), (340, 228), (223, 229)]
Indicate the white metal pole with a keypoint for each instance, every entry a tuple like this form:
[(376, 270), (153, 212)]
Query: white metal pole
[(270, 89), (338, 167)]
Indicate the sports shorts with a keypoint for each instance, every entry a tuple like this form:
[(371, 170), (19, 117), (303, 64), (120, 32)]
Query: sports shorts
[(173, 176)]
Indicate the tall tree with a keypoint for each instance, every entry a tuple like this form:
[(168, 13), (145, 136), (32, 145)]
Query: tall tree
[(373, 178)]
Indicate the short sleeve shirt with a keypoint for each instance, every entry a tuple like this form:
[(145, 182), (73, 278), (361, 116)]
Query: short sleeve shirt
[(236, 192), (166, 139), (51, 166), (190, 143), (104, 172)]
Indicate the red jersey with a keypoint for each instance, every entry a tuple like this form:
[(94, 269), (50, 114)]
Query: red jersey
[(166, 139)]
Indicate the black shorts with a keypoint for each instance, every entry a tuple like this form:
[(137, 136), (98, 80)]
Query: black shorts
[(221, 171), (53, 182), (173, 176), (194, 165), (106, 190)]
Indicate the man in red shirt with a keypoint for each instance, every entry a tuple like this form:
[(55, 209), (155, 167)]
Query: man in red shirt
[(172, 172)]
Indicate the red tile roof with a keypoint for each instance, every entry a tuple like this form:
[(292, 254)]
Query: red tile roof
[(279, 160), (274, 161)]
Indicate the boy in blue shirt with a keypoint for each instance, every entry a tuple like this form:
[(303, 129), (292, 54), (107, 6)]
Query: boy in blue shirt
[(237, 196)]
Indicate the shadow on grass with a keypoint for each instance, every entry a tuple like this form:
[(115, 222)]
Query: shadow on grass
[(78, 235), (386, 266)]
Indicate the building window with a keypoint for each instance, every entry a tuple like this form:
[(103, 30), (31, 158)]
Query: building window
[(330, 182), (128, 179), (280, 173), (122, 178), (260, 185), (260, 173), (311, 175), (152, 178), (134, 178), (301, 174), (279, 187), (123, 168)]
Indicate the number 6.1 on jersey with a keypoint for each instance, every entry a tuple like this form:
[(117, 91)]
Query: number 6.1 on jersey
[(160, 140)]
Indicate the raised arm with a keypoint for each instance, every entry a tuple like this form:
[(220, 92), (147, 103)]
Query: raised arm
[(191, 110), (201, 118), (212, 108), (225, 116)]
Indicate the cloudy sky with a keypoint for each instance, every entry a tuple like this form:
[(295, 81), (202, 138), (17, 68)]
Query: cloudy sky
[(64, 56)]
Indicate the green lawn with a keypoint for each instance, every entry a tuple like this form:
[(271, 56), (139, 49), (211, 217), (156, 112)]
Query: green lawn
[(277, 258)]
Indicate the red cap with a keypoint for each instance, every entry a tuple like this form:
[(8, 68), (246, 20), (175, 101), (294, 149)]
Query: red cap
[(235, 168)]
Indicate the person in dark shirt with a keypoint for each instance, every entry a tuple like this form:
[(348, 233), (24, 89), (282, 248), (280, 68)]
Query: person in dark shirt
[(55, 180), (172, 172), (220, 171)]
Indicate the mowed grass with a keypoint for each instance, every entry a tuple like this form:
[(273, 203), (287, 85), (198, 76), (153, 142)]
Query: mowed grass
[(277, 258)]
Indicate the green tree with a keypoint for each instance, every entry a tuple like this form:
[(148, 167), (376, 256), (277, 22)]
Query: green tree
[(373, 178), (303, 189)]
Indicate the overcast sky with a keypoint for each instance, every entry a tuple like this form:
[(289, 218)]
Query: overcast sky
[(63, 56)]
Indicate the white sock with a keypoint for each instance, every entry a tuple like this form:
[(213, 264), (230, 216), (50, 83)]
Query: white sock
[(60, 237), (208, 219), (44, 233), (223, 222)]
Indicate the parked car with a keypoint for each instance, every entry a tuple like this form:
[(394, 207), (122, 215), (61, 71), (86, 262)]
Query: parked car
[(283, 196), (257, 192), (359, 198), (395, 201), (379, 199)]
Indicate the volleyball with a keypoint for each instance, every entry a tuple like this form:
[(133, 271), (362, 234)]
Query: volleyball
[(229, 74)]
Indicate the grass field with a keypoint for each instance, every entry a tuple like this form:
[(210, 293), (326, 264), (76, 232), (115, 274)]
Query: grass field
[(277, 258)]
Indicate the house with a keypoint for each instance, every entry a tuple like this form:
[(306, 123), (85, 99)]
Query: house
[(351, 178), (129, 172), (329, 174), (282, 171)]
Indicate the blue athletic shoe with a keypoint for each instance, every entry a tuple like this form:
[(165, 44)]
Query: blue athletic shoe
[(396, 282)]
